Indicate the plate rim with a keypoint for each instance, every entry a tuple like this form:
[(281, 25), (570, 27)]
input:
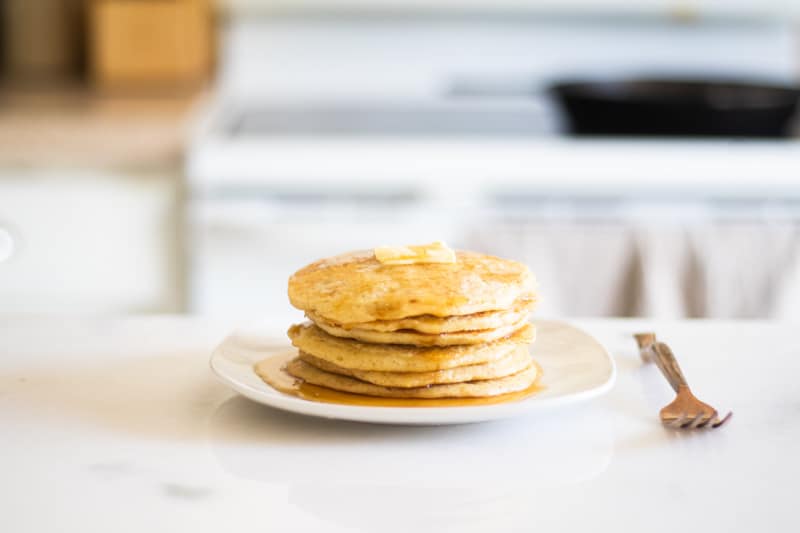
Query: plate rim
[(410, 415)]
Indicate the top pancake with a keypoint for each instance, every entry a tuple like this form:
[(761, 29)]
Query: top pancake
[(355, 287)]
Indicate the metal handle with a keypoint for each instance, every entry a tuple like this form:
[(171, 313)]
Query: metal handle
[(663, 357)]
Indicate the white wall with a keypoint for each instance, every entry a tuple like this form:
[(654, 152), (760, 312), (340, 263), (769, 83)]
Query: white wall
[(421, 58)]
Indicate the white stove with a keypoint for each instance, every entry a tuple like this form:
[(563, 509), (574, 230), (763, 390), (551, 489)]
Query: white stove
[(327, 135)]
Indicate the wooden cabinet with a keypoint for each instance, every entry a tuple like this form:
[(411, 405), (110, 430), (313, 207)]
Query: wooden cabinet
[(41, 39), (157, 43)]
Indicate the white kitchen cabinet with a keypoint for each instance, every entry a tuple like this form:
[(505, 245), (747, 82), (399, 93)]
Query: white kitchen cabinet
[(626, 257), (89, 240)]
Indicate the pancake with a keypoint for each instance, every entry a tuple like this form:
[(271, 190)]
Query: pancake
[(353, 354), (473, 389), (356, 287), (423, 339), (514, 362), (434, 324)]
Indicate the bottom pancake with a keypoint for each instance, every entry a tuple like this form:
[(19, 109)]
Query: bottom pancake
[(516, 361), (471, 389)]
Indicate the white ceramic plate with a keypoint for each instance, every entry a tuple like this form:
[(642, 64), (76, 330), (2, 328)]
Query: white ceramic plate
[(575, 368)]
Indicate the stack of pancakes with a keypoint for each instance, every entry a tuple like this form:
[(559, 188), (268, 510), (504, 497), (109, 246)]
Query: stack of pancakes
[(422, 330)]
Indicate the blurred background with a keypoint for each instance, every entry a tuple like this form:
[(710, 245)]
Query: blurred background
[(642, 156)]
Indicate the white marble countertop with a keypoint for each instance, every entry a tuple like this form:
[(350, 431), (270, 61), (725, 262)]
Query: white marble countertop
[(118, 425)]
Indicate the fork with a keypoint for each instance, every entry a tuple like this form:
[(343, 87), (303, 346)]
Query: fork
[(686, 411)]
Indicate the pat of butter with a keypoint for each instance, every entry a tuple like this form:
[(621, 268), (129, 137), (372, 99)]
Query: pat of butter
[(435, 252)]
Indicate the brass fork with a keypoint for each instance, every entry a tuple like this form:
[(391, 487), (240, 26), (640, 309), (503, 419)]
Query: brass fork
[(686, 411)]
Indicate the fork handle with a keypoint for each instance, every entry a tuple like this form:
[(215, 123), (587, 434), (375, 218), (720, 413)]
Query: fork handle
[(665, 360)]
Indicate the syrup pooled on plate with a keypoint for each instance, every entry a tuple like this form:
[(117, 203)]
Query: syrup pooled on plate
[(272, 371)]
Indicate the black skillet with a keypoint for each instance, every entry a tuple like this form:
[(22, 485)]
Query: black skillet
[(678, 107)]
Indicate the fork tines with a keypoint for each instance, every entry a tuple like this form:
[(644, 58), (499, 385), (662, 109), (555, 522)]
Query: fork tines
[(697, 422)]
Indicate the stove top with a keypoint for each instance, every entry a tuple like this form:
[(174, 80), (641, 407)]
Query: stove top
[(447, 118)]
